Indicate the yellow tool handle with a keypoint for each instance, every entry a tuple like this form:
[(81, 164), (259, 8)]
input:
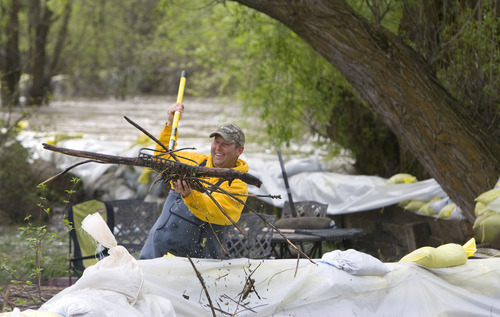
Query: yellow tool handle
[(175, 123)]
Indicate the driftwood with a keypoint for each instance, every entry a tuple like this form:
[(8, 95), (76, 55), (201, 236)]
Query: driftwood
[(172, 168)]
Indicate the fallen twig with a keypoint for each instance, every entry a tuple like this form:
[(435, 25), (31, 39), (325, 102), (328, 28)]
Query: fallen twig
[(200, 278)]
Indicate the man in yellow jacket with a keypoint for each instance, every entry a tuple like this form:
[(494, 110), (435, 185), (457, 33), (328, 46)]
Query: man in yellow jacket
[(190, 219)]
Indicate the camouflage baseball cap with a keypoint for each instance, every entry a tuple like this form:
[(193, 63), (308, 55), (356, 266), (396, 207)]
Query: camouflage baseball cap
[(231, 133)]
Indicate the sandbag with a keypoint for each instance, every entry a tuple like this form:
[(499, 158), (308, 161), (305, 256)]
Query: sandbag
[(447, 255), (489, 196), (487, 226), (479, 209), (401, 178), (427, 209), (494, 205), (415, 205), (438, 204), (446, 211), (355, 262)]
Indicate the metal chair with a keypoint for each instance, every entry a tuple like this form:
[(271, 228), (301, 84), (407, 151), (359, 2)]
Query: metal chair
[(132, 221), (306, 212), (305, 208), (257, 244), (129, 220)]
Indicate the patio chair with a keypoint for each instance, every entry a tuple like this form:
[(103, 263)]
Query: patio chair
[(129, 220), (132, 221), (257, 244), (82, 247), (309, 215), (305, 208)]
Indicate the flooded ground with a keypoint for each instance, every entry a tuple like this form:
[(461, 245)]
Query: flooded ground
[(102, 122)]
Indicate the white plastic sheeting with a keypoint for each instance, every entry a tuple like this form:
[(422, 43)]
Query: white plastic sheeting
[(347, 283), (343, 193), (170, 287)]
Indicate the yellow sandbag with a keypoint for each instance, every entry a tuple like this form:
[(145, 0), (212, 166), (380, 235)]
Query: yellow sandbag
[(489, 196), (145, 176), (404, 203), (415, 205), (445, 212), (447, 255), (426, 208), (401, 178), (487, 226), (479, 209)]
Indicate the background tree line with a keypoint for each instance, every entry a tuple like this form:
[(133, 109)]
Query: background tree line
[(122, 48)]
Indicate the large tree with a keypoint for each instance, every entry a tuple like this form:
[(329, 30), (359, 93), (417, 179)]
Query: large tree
[(401, 87)]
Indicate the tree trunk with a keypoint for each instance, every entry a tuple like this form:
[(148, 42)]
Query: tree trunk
[(11, 59), (399, 85), (40, 24), (60, 41)]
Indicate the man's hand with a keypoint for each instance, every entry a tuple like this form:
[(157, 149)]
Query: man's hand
[(171, 110), (182, 187)]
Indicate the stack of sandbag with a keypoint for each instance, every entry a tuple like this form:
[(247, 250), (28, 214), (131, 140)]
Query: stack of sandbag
[(487, 211), (438, 207)]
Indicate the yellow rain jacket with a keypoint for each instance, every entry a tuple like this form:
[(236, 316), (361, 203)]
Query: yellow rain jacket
[(199, 203)]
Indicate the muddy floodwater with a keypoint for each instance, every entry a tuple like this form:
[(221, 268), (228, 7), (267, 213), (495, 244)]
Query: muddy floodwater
[(102, 126), (103, 120)]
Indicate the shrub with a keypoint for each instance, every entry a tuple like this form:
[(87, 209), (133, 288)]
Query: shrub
[(17, 186)]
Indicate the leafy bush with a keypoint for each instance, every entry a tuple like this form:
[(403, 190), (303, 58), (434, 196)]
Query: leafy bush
[(17, 186)]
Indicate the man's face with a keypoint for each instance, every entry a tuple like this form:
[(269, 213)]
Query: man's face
[(224, 154)]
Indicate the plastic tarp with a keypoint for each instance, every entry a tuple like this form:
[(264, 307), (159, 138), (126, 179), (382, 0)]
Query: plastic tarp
[(341, 283), (343, 193), (169, 286)]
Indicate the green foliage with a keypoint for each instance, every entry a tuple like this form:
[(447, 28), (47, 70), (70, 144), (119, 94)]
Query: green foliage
[(472, 72), (387, 13), (460, 41), (38, 236), (20, 192), (56, 6), (17, 186), (121, 48)]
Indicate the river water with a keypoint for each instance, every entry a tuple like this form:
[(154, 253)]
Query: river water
[(103, 120), (99, 126)]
